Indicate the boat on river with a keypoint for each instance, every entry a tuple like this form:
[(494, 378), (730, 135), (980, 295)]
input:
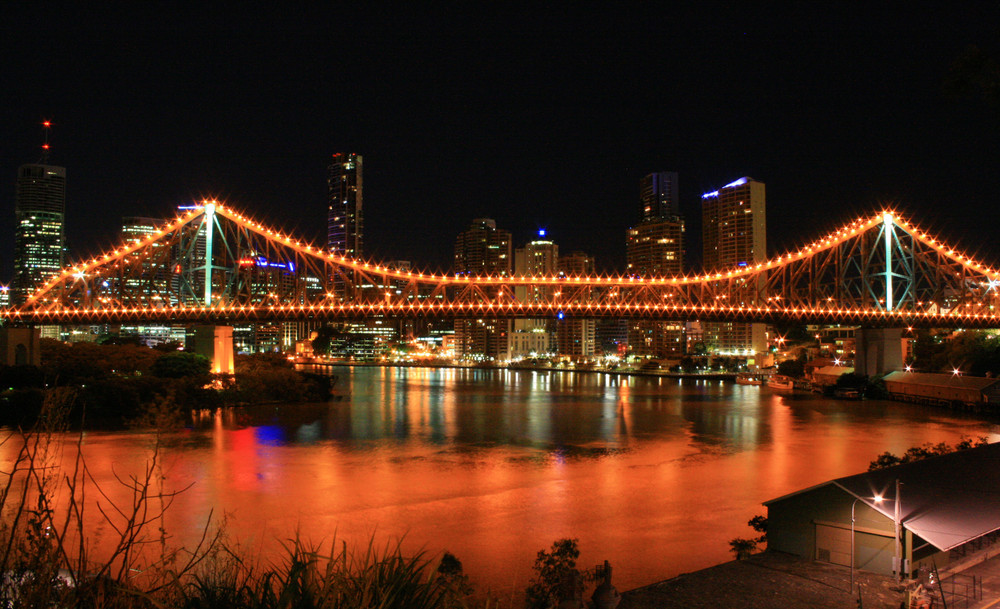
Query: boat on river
[(779, 381), (746, 378), (847, 393)]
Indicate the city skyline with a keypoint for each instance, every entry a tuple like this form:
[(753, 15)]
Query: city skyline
[(544, 125)]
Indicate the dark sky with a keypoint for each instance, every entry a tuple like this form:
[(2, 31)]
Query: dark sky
[(545, 117)]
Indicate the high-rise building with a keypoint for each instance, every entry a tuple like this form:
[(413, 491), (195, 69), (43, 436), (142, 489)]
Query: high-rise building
[(538, 258), (734, 234), (658, 195), (155, 281), (39, 234), (655, 248), (576, 337), (345, 222), (734, 229), (482, 250)]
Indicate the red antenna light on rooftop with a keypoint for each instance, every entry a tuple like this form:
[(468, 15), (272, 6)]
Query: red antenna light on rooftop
[(45, 145)]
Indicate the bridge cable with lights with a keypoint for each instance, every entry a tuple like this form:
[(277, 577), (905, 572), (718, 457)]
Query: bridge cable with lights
[(215, 265)]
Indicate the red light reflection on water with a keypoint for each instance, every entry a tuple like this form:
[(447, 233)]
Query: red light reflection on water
[(653, 475)]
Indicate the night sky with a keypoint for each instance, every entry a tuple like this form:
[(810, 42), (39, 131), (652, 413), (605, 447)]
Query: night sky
[(545, 117)]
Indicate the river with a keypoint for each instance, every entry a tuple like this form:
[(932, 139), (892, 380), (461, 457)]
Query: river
[(653, 474)]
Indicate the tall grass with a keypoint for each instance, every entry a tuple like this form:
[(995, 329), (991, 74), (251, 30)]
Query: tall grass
[(377, 577), (46, 560)]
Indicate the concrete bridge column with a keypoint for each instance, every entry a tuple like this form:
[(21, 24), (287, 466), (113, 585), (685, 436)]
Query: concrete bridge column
[(878, 351), (20, 346), (215, 343)]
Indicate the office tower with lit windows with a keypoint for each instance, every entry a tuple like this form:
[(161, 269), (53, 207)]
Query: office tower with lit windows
[(345, 221), (39, 234), (482, 250), (658, 196), (533, 337), (576, 337), (655, 248), (734, 235), (154, 285)]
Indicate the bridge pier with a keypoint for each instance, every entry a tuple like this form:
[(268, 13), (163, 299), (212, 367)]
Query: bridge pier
[(215, 343), (20, 346), (878, 351)]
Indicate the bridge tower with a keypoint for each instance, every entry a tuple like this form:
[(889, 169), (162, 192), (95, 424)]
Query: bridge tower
[(879, 351)]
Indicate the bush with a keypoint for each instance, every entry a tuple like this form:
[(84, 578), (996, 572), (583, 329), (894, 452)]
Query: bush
[(742, 548), (557, 577)]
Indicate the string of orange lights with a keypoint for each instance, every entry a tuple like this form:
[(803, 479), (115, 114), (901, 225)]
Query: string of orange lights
[(635, 294)]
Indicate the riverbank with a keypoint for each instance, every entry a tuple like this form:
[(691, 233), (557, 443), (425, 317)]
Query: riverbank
[(704, 376)]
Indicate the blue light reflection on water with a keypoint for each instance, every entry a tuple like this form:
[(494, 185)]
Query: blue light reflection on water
[(654, 474)]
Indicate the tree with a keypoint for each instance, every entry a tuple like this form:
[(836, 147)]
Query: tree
[(557, 576), (759, 524), (792, 368), (181, 365), (742, 548), (325, 336), (916, 453)]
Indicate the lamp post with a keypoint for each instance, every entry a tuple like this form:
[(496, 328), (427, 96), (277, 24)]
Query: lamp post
[(876, 499)]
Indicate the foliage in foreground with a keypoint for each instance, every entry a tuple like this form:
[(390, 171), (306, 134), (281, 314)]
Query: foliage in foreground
[(916, 453), (556, 576), (47, 559), (743, 548), (307, 577)]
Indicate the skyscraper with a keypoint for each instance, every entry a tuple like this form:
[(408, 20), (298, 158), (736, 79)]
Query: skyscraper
[(39, 234), (734, 234), (155, 283), (482, 250), (539, 257), (576, 337), (655, 248), (658, 196), (734, 229), (345, 222)]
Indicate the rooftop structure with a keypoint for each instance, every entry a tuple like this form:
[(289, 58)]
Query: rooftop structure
[(943, 503)]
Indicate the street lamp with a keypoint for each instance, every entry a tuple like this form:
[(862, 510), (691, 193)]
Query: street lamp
[(876, 499)]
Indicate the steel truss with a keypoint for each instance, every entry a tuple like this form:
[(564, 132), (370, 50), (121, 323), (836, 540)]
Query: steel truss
[(215, 265)]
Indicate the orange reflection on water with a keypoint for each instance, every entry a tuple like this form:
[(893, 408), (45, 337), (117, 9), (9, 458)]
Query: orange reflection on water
[(654, 475)]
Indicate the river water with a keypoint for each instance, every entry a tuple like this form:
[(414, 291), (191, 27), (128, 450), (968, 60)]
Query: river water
[(653, 474)]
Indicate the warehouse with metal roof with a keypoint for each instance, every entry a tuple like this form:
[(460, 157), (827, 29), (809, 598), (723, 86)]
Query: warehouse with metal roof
[(943, 503), (924, 387)]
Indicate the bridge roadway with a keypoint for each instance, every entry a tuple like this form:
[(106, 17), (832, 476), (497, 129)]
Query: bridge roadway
[(222, 314)]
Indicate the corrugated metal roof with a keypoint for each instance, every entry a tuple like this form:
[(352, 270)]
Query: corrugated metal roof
[(946, 500), (952, 381), (833, 370)]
